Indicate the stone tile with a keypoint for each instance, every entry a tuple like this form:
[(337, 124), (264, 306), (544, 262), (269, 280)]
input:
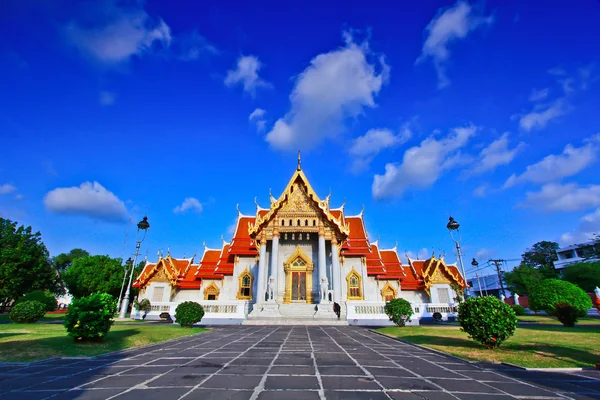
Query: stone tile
[(469, 386), (147, 370), (292, 370), (431, 395), (292, 382), (153, 394), (175, 361), (212, 394), (394, 372), (118, 381), (341, 371), (294, 361), (289, 394), (29, 395), (347, 382), (330, 362), (178, 380), (485, 376), (197, 370), (348, 395), (481, 396), (87, 394), (239, 382), (251, 361), (406, 383), (244, 370), (520, 389)]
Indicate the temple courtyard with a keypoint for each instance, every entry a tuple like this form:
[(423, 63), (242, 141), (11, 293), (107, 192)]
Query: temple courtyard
[(286, 362)]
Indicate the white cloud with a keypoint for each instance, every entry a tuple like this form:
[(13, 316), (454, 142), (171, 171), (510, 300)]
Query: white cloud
[(90, 199), (422, 254), (480, 191), (190, 47), (123, 32), (589, 225), (258, 116), (537, 95), (539, 118), (555, 167), (567, 197), (365, 148), (336, 85), (246, 73), (107, 98), (449, 26), (189, 204), (496, 154), (482, 254), (422, 165), (7, 188)]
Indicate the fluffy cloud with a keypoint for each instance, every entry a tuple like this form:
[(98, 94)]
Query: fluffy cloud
[(422, 165), (422, 254), (336, 85), (480, 191), (107, 98), (539, 118), (246, 73), (449, 26), (258, 116), (537, 95), (7, 188), (365, 148), (568, 197), (90, 199), (496, 154), (189, 204), (555, 167), (589, 225), (123, 32)]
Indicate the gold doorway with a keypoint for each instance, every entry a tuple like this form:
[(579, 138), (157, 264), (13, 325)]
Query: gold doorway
[(298, 278)]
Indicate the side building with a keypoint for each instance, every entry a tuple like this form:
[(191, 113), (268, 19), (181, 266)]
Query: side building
[(300, 259)]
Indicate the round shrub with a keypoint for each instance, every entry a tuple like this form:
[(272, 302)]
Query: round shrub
[(90, 318), (188, 313), (487, 320), (142, 305), (551, 291), (518, 309), (399, 311), (566, 314), (43, 296), (27, 312)]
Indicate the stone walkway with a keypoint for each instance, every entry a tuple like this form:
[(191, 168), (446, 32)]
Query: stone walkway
[(285, 362)]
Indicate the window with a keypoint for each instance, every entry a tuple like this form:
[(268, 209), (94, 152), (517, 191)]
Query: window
[(388, 292), (211, 292), (298, 223), (290, 222), (306, 223), (354, 286), (314, 222), (299, 263), (283, 222), (158, 294), (245, 285), (443, 296)]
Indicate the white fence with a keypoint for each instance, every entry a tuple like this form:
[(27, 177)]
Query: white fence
[(215, 311), (373, 313)]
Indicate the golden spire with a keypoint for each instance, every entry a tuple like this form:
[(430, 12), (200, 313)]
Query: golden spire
[(298, 168)]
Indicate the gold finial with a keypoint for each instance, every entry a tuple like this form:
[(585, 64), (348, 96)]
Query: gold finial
[(298, 168)]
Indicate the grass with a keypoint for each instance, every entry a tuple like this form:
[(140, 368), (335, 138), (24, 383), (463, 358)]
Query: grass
[(47, 317), (534, 346), (545, 319), (30, 342)]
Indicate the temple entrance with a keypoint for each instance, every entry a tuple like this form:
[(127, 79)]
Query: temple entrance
[(298, 286), (298, 278)]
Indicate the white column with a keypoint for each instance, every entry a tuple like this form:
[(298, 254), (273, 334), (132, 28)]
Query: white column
[(336, 273), (262, 266), (275, 263), (322, 264)]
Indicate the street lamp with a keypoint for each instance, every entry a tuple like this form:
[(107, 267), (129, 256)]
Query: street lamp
[(143, 225), (452, 226), (475, 264), (128, 264)]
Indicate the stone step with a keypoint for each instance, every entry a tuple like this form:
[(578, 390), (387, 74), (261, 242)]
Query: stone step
[(294, 321)]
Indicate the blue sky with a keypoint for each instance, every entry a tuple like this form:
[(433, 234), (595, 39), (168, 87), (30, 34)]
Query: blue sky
[(486, 111)]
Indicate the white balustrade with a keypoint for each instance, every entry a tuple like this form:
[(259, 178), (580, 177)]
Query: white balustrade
[(218, 309)]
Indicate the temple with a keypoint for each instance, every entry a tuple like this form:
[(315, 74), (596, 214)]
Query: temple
[(300, 261)]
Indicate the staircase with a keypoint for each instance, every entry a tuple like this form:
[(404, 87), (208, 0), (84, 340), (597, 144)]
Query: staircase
[(300, 314), (297, 310)]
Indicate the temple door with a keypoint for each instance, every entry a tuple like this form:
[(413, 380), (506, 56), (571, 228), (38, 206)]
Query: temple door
[(298, 286)]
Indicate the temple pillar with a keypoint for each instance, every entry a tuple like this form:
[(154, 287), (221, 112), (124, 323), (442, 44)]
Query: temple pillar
[(275, 263), (262, 266), (336, 278), (322, 263)]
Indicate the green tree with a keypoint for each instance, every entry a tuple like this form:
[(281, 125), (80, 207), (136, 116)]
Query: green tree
[(586, 275), (24, 262), (62, 261), (523, 279), (541, 256), (550, 292), (94, 274)]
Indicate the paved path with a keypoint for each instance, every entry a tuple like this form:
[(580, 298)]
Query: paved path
[(286, 362)]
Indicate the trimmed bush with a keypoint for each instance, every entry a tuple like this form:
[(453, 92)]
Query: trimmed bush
[(551, 291), (399, 311), (487, 320), (518, 309), (90, 318), (43, 296), (566, 314), (188, 313), (27, 312), (142, 305)]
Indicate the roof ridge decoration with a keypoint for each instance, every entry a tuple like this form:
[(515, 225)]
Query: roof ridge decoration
[(253, 229), (432, 267), (143, 279)]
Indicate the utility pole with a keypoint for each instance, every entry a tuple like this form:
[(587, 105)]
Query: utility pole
[(497, 263)]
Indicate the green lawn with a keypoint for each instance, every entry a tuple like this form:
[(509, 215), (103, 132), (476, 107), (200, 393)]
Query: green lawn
[(544, 319), (532, 346), (47, 317), (29, 342)]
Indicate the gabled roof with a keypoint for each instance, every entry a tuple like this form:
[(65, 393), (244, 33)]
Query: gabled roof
[(357, 242), (242, 243)]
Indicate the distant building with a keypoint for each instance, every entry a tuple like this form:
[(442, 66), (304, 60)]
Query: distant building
[(587, 251), (490, 285)]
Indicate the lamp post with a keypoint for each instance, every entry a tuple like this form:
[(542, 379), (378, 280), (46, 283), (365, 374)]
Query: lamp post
[(128, 264), (475, 264), (143, 225), (452, 226)]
